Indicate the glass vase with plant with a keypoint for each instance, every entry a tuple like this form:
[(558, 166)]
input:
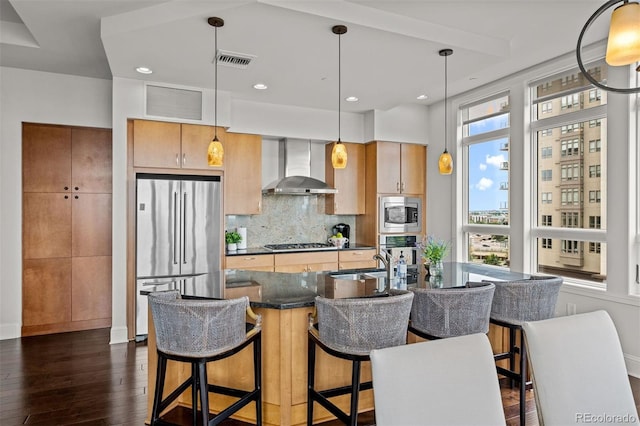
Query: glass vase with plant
[(433, 251)]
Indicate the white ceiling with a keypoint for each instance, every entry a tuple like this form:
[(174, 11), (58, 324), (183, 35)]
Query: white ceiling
[(389, 54)]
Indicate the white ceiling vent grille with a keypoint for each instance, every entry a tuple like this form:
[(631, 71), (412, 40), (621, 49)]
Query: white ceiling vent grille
[(234, 59), (174, 103)]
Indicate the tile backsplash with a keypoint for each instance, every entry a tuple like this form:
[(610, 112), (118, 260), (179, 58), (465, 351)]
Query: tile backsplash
[(290, 219)]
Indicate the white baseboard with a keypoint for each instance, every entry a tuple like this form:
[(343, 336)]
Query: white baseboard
[(119, 335), (633, 365), (10, 331)]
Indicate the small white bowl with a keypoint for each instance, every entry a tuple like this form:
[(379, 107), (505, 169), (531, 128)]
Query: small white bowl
[(338, 242)]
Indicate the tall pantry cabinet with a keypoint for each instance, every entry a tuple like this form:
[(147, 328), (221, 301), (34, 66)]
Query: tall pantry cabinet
[(66, 228)]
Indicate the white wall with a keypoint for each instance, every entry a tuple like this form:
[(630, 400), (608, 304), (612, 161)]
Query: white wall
[(32, 96)]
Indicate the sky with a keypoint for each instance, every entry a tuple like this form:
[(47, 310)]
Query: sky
[(485, 175)]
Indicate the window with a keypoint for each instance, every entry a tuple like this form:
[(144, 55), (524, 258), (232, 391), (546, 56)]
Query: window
[(546, 152), (570, 196), (485, 142), (570, 246), (570, 219), (570, 147), (570, 172), (547, 107), (577, 118), (570, 101), (546, 220)]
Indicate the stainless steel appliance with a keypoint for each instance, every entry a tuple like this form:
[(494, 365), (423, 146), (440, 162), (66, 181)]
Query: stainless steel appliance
[(299, 247), (400, 214), (394, 245), (178, 235)]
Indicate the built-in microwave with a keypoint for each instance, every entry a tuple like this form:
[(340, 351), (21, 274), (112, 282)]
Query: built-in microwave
[(400, 214)]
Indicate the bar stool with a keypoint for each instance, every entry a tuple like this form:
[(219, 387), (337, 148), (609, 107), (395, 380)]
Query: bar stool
[(349, 329), (450, 312), (515, 302), (198, 331)]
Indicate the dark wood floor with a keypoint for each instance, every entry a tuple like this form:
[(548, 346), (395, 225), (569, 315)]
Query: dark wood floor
[(79, 379)]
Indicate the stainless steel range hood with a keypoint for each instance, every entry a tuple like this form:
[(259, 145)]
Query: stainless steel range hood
[(294, 171)]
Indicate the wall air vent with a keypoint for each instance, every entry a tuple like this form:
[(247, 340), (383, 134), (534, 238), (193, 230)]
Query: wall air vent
[(174, 103), (234, 59)]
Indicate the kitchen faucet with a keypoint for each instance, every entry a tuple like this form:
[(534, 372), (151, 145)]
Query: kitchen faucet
[(387, 264)]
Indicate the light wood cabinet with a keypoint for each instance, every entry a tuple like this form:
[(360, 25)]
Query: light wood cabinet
[(167, 145), (356, 259), (258, 262), (243, 174), (306, 262), (400, 168), (350, 181), (66, 235)]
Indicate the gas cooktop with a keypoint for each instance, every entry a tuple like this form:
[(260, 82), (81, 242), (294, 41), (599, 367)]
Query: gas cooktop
[(300, 246)]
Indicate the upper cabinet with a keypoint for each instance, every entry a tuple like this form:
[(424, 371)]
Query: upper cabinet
[(242, 174), (400, 167), (350, 181), (167, 145)]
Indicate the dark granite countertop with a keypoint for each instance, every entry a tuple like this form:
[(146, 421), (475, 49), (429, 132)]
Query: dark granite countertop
[(279, 290), (262, 250)]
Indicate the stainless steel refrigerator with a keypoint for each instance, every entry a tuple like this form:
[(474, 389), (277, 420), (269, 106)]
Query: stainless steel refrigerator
[(178, 236)]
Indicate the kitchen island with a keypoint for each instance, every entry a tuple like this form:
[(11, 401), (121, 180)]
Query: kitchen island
[(285, 300)]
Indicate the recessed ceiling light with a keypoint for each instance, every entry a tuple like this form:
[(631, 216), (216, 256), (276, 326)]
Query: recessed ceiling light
[(422, 97), (144, 70), (260, 86), (351, 99)]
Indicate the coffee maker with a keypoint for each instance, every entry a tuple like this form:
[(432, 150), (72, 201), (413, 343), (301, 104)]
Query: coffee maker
[(345, 230)]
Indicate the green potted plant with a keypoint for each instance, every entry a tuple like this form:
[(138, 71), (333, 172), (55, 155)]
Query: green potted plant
[(433, 251), (232, 238)]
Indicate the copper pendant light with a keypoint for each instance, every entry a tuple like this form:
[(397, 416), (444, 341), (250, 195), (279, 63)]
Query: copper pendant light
[(215, 152), (339, 151), (445, 162)]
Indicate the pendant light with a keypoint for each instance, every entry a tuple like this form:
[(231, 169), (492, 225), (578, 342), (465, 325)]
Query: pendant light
[(339, 151), (623, 45), (215, 152), (445, 163)]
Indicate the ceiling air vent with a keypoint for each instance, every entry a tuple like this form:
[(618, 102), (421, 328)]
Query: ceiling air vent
[(234, 59), (174, 103)]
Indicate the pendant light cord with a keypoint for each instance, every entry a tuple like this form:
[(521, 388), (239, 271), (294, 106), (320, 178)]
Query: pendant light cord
[(215, 114), (445, 103), (339, 83)]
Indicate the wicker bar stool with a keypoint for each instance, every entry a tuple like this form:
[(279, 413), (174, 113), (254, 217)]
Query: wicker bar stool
[(515, 302), (349, 329), (451, 312), (198, 331)]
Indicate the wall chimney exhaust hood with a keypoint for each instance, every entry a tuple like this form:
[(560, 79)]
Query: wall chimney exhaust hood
[(294, 171)]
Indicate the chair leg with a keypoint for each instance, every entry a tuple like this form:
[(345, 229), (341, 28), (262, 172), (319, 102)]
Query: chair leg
[(523, 379), (157, 399), (195, 383), (204, 393), (512, 352), (257, 377), (355, 393), (311, 365)]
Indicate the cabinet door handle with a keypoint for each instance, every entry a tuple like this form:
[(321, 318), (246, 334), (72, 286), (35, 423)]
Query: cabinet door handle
[(76, 188), (66, 188), (76, 197), (402, 186), (249, 258), (184, 159), (177, 159), (66, 197), (357, 253), (260, 205), (398, 186)]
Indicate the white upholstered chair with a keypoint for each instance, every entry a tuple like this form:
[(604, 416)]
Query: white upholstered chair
[(441, 382), (579, 375)]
